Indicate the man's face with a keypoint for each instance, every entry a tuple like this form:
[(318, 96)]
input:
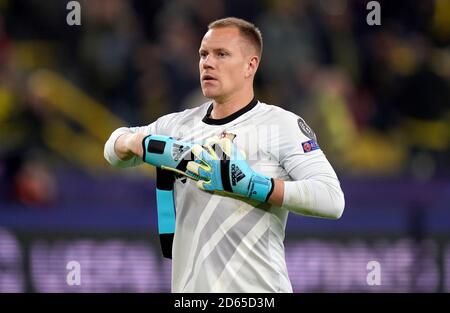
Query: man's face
[(224, 57)]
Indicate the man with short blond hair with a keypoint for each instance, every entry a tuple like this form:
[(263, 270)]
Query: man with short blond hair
[(248, 164)]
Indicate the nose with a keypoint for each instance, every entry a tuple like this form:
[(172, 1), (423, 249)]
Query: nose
[(207, 62)]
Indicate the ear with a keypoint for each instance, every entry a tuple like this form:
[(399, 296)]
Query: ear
[(252, 66)]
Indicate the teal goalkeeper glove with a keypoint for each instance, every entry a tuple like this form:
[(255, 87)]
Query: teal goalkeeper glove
[(167, 153), (221, 166)]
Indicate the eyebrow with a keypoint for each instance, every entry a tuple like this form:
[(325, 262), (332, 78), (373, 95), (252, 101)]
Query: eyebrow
[(214, 50)]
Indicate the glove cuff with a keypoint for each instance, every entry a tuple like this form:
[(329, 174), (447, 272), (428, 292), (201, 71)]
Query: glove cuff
[(261, 188), (152, 145), (167, 153)]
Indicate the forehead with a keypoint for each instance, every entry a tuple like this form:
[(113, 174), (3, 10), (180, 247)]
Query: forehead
[(222, 37)]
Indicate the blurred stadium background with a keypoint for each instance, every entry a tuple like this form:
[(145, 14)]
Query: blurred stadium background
[(377, 97)]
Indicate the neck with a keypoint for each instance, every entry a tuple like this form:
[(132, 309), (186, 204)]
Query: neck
[(224, 108)]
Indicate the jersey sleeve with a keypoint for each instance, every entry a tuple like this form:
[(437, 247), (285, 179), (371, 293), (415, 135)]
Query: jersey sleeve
[(314, 189), (161, 127)]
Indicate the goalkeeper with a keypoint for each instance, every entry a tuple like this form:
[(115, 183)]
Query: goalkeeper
[(241, 166)]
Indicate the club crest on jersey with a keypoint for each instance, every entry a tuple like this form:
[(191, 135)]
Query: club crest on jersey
[(236, 174), (230, 136), (310, 145), (178, 151), (306, 130)]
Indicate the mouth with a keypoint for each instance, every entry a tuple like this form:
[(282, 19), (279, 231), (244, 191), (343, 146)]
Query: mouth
[(208, 78)]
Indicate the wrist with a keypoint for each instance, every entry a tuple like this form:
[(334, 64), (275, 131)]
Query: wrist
[(134, 144), (276, 197)]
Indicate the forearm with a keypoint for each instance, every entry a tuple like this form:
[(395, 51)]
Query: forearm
[(129, 145), (314, 197), (315, 189), (124, 147)]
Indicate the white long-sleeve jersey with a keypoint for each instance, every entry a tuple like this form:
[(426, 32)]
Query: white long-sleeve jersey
[(223, 244)]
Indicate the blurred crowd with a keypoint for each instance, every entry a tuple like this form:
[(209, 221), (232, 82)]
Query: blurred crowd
[(376, 96)]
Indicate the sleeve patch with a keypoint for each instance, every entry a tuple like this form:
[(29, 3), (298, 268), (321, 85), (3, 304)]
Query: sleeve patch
[(310, 145), (306, 130)]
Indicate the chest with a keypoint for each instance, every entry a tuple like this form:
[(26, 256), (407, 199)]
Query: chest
[(258, 142)]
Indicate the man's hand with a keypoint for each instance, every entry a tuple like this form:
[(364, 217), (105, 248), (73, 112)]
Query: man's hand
[(167, 153), (220, 166)]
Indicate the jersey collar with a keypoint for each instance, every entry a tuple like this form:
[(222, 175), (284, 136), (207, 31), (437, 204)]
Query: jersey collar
[(221, 121)]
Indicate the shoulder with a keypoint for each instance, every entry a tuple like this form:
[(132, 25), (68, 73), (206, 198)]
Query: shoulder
[(199, 110), (277, 112), (168, 122), (288, 122), (278, 115)]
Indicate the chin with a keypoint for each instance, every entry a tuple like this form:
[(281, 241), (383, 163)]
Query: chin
[(210, 94)]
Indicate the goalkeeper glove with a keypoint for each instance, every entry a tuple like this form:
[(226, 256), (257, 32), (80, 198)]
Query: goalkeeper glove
[(168, 154), (221, 166)]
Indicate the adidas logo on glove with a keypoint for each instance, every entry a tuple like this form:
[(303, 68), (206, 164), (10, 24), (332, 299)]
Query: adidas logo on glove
[(178, 151), (236, 174)]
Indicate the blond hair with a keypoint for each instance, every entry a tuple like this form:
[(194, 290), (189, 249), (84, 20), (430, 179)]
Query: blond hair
[(247, 30)]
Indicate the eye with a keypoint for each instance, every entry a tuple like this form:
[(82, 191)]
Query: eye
[(203, 54), (222, 54)]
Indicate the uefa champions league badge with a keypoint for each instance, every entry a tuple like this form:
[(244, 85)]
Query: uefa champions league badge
[(306, 130), (310, 145)]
